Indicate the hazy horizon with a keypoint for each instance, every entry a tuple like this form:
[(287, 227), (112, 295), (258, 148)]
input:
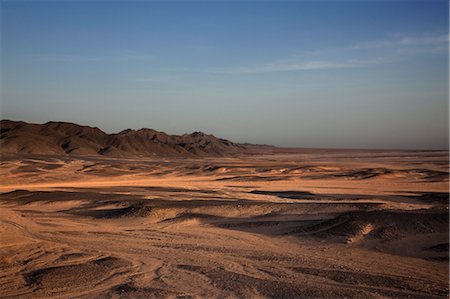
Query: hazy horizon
[(294, 74)]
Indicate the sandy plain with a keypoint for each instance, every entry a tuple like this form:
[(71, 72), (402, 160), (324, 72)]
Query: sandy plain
[(293, 223)]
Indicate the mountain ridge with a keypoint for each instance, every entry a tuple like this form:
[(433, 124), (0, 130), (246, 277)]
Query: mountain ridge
[(66, 138)]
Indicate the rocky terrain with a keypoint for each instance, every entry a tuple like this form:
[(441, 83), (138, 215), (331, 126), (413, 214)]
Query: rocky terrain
[(59, 138)]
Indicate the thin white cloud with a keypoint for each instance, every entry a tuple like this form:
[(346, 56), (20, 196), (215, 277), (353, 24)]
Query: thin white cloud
[(154, 79), (388, 51), (83, 58), (70, 58), (358, 55), (290, 67), (396, 42), (405, 41)]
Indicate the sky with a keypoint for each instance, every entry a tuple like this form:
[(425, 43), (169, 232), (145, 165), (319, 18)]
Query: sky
[(334, 74)]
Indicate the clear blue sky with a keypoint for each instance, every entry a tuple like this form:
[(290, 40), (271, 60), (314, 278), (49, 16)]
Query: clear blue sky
[(365, 74)]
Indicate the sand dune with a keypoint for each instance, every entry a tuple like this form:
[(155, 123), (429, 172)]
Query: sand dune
[(279, 224)]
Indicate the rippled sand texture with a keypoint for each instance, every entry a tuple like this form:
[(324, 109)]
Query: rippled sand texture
[(291, 224)]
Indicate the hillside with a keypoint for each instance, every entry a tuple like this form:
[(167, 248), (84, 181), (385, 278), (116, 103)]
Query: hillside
[(61, 138)]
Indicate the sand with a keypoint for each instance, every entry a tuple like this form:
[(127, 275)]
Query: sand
[(366, 224)]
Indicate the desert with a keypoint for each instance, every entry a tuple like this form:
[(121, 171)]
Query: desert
[(222, 220), (224, 149)]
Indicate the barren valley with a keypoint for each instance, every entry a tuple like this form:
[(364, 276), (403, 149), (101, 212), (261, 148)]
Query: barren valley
[(277, 223), (224, 149)]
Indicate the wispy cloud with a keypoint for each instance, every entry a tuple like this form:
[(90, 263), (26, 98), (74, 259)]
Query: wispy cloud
[(398, 42), (70, 58), (368, 54), (406, 41), (85, 58), (159, 78), (296, 66)]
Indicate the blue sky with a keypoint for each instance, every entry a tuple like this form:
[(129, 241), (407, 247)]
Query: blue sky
[(364, 74)]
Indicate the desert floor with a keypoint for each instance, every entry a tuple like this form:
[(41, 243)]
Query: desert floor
[(366, 224)]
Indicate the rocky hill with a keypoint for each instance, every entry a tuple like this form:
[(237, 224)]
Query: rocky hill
[(61, 138)]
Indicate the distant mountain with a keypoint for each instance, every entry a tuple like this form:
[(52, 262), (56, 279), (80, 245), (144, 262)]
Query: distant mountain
[(246, 144), (60, 138)]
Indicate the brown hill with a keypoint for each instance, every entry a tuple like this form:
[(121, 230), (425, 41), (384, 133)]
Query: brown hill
[(60, 138)]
